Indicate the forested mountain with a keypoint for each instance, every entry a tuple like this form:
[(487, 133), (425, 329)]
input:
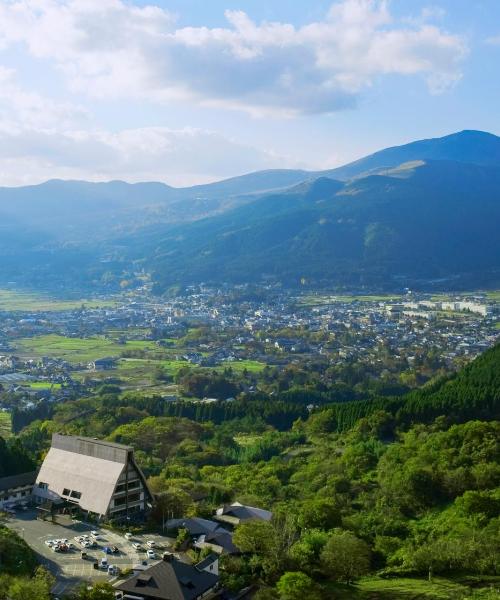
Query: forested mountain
[(424, 221), (411, 215)]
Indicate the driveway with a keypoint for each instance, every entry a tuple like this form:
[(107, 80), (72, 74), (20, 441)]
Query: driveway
[(68, 567)]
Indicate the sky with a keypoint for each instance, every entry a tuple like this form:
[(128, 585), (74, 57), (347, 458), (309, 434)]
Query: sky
[(192, 91)]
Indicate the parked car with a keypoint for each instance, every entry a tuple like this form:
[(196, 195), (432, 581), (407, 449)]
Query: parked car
[(136, 546), (128, 536), (151, 543), (151, 554)]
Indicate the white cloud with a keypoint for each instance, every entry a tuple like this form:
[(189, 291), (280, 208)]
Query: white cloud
[(179, 157), (109, 48), (19, 106)]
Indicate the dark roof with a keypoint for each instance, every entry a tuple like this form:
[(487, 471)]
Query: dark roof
[(194, 525), (170, 580), (92, 447), (245, 513), (7, 483), (207, 561), (224, 539)]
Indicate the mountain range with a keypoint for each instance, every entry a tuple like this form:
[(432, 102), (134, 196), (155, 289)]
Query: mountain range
[(425, 214)]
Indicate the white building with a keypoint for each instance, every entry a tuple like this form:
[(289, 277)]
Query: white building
[(99, 477), (16, 489)]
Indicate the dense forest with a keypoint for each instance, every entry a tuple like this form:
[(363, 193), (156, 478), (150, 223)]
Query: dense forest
[(404, 485)]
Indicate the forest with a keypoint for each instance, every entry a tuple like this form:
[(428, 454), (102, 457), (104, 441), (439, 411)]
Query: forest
[(396, 487)]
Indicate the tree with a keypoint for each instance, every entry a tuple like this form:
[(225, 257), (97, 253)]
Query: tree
[(295, 585), (345, 557), (254, 536), (99, 591)]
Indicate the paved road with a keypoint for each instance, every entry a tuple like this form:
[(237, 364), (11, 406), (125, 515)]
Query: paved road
[(69, 568)]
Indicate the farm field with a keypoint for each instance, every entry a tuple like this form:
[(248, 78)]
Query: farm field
[(11, 300), (318, 300), (77, 350)]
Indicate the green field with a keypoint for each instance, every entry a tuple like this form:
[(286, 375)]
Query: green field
[(11, 300), (252, 366), (77, 350), (376, 588), (320, 300), (43, 385), (5, 424)]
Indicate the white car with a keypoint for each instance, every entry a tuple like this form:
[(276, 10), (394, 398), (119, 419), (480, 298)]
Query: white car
[(128, 536), (150, 544), (48, 543), (136, 546), (151, 554)]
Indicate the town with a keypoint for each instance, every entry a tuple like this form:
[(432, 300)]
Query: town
[(137, 410)]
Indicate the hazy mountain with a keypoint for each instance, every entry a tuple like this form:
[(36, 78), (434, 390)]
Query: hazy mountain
[(426, 210), (73, 210), (435, 220), (476, 147)]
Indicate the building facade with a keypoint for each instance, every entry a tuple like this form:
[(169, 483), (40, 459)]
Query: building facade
[(101, 478), (16, 490)]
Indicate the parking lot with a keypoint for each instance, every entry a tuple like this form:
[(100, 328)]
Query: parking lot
[(68, 567)]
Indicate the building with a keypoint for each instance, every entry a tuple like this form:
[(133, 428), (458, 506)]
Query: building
[(237, 513), (102, 364), (99, 477), (171, 579), (16, 489)]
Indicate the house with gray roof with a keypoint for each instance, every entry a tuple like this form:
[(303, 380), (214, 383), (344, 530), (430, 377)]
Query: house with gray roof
[(237, 513), (101, 478), (16, 489), (171, 579)]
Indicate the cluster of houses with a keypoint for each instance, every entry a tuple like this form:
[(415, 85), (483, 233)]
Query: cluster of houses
[(217, 534)]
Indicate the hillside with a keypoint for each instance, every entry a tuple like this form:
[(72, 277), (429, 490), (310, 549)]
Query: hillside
[(428, 223), (421, 215), (476, 147)]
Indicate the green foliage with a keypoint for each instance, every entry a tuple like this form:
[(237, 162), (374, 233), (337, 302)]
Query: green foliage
[(345, 557), (295, 585), (16, 557), (98, 591)]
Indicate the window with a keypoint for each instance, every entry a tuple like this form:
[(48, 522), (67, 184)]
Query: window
[(75, 494), (43, 486), (134, 484), (65, 492)]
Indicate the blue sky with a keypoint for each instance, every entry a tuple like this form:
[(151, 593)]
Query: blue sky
[(186, 91)]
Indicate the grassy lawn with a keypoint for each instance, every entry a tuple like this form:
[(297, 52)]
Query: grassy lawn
[(11, 300), (77, 350), (375, 588), (497, 325), (5, 424)]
